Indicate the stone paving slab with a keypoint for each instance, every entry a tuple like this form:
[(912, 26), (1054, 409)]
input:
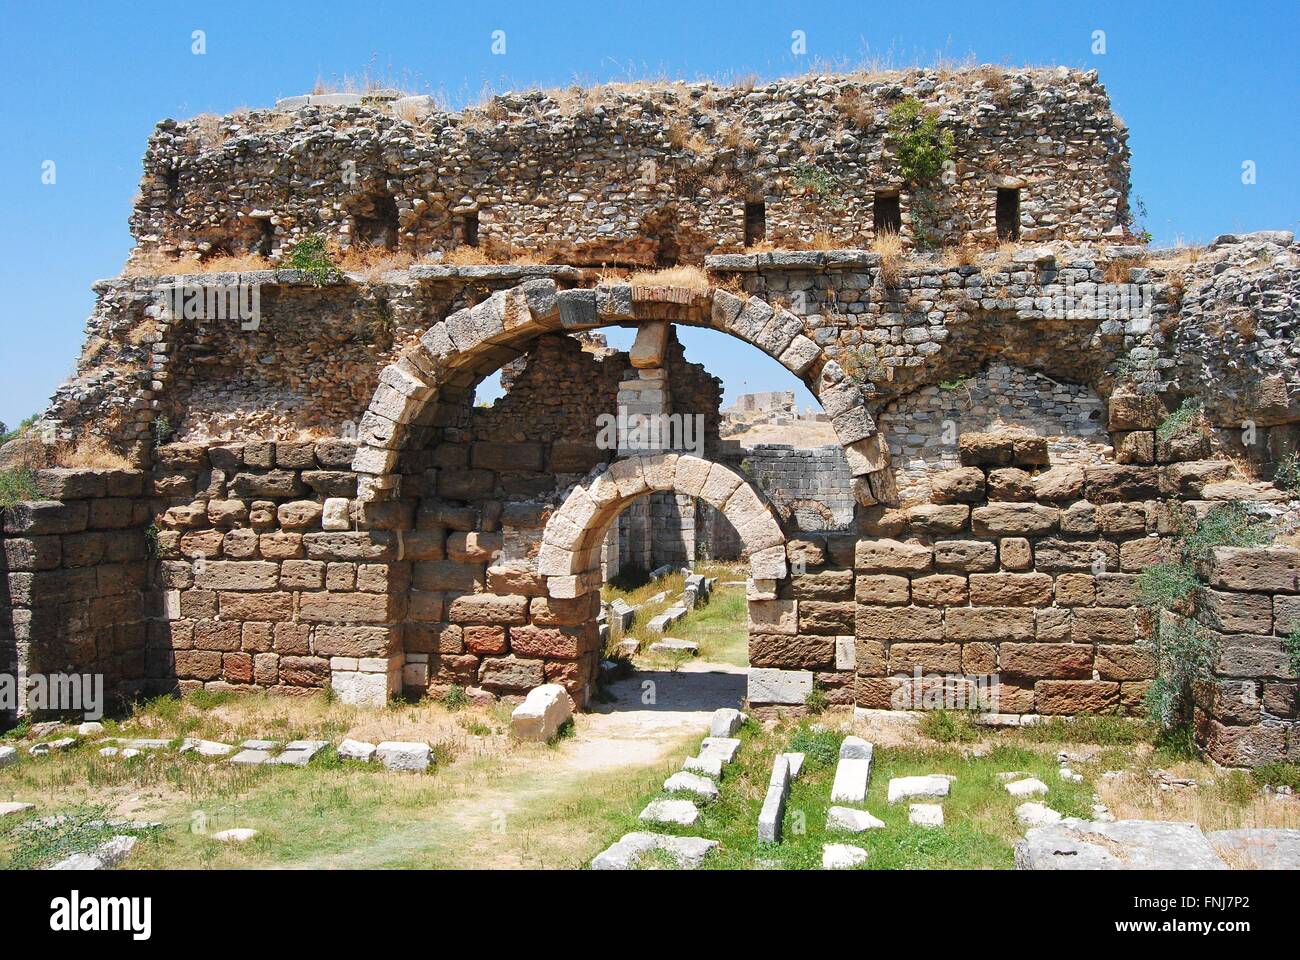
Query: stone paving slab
[(1075, 844), (925, 814), (1258, 847)]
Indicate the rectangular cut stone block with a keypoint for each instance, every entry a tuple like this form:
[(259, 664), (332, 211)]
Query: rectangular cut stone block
[(852, 777), (543, 712), (779, 686), (1261, 569), (892, 556), (773, 809)]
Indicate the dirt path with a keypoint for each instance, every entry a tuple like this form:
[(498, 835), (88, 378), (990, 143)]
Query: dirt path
[(526, 809)]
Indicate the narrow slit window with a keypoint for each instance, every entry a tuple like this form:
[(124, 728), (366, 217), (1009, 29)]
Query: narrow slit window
[(1008, 215), (467, 229), (887, 214), (755, 222)]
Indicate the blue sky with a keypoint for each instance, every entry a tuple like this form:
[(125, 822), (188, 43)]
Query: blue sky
[(1203, 87)]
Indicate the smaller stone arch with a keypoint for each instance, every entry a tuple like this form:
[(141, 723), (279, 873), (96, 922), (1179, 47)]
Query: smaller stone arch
[(569, 557)]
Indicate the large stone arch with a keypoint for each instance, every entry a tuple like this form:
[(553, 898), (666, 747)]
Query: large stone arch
[(472, 342)]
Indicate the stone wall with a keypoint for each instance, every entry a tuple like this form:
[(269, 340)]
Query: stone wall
[(922, 427), (1249, 713), (643, 174), (809, 488), (75, 593)]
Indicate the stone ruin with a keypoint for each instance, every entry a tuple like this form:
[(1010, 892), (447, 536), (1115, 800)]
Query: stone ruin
[(315, 498)]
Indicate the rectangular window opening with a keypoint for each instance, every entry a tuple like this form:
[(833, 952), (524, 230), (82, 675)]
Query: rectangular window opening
[(887, 214), (466, 229), (1008, 215), (755, 222)]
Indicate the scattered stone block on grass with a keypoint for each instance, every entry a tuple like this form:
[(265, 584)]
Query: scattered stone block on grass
[(104, 857), (852, 777), (205, 748), (235, 835), (1033, 814), (401, 755), (251, 758), (52, 746), (10, 807), (8, 755), (89, 727), (905, 788), (298, 753), (848, 820), (773, 809), (1029, 787), (1074, 844), (681, 812), (726, 721), (668, 618), (925, 814), (796, 764), (842, 856), (144, 744), (357, 750), (692, 783), (708, 764), (543, 712), (259, 745), (855, 748), (724, 748), (674, 645), (689, 852)]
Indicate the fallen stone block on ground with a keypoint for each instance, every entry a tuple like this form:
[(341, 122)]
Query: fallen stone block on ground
[(681, 812), (925, 814), (1029, 787), (692, 783), (401, 755), (543, 712), (1033, 814), (688, 852), (906, 788), (842, 856), (852, 777), (848, 820), (726, 721)]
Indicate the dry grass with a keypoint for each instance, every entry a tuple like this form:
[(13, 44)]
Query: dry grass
[(856, 109), (90, 453), (466, 256), (890, 247), (824, 240), (735, 137), (683, 136), (685, 276), (962, 255), (1117, 271)]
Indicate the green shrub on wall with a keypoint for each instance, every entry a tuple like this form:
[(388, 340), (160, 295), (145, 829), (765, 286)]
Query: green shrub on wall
[(920, 144)]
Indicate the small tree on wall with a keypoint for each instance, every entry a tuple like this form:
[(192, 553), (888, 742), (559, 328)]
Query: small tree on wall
[(923, 149)]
